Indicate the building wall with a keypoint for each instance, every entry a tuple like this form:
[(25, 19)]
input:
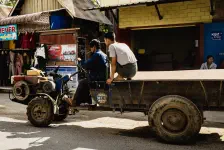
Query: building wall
[(33, 6), (174, 13), (211, 46)]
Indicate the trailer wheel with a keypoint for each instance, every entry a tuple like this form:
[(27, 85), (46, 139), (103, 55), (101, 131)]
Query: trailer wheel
[(175, 119), (40, 112)]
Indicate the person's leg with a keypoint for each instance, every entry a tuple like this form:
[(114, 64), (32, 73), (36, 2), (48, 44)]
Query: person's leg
[(81, 93), (119, 69), (129, 70)]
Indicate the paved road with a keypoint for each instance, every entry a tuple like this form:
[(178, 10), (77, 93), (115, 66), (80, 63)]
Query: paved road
[(95, 131)]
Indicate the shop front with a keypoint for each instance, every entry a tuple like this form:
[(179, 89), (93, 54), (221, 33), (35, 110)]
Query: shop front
[(52, 38), (16, 52), (166, 48), (164, 34), (62, 51), (20, 47)]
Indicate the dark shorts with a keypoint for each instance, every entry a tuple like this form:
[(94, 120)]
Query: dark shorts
[(127, 71)]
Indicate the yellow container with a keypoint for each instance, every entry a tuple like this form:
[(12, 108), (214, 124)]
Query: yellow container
[(33, 72)]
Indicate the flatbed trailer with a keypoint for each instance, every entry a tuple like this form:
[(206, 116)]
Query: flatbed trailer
[(173, 100)]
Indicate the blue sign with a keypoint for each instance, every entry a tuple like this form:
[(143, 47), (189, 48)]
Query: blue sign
[(216, 36), (8, 33)]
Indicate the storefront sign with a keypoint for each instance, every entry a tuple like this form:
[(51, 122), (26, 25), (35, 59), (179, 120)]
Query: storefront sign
[(62, 52), (8, 33), (216, 36)]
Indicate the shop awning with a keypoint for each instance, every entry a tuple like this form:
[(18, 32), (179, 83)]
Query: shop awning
[(76, 8), (4, 11), (40, 18), (146, 2)]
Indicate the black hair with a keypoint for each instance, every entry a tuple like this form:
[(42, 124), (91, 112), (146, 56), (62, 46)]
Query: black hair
[(110, 35), (209, 56), (95, 43)]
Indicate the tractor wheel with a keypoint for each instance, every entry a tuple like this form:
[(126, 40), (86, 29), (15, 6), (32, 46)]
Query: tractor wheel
[(40, 112), (21, 91), (175, 119)]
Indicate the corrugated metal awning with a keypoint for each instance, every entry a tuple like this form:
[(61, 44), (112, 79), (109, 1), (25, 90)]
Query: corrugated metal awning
[(4, 11), (77, 9), (146, 2), (40, 18)]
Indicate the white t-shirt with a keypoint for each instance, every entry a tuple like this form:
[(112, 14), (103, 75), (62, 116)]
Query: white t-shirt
[(123, 53)]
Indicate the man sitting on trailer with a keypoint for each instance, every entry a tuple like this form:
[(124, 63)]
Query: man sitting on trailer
[(123, 60), (97, 65), (209, 64)]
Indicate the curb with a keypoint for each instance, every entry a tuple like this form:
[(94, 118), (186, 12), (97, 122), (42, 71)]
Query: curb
[(5, 89)]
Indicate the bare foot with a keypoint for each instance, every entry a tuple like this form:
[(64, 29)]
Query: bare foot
[(69, 101)]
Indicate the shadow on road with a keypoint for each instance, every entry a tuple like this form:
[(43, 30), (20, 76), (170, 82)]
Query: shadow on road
[(69, 137)]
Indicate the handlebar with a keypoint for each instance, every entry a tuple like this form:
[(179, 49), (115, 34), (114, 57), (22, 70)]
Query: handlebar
[(56, 70), (81, 68)]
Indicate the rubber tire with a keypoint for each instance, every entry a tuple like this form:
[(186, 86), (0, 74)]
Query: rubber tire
[(50, 113), (24, 100), (194, 119)]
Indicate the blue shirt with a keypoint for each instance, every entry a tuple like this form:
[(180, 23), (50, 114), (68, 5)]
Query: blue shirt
[(98, 66)]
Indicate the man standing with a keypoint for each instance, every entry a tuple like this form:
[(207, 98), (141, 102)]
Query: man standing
[(98, 66), (209, 64), (123, 60)]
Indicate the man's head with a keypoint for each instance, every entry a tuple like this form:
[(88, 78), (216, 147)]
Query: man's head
[(210, 59), (94, 45), (109, 38)]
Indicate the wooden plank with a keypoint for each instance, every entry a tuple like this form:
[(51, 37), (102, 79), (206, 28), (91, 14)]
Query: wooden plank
[(186, 75)]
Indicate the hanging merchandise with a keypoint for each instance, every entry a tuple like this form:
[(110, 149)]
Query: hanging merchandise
[(1, 44), (11, 64), (26, 41), (40, 58), (41, 51), (12, 45), (5, 45), (33, 40), (19, 41), (4, 67), (26, 62), (18, 64)]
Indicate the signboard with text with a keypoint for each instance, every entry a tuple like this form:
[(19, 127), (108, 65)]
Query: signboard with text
[(8, 33), (216, 36), (62, 52)]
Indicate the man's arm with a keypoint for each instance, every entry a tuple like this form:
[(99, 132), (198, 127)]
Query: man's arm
[(90, 62), (113, 63), (113, 67)]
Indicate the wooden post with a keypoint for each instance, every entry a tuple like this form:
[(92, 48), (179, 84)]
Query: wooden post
[(201, 45)]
